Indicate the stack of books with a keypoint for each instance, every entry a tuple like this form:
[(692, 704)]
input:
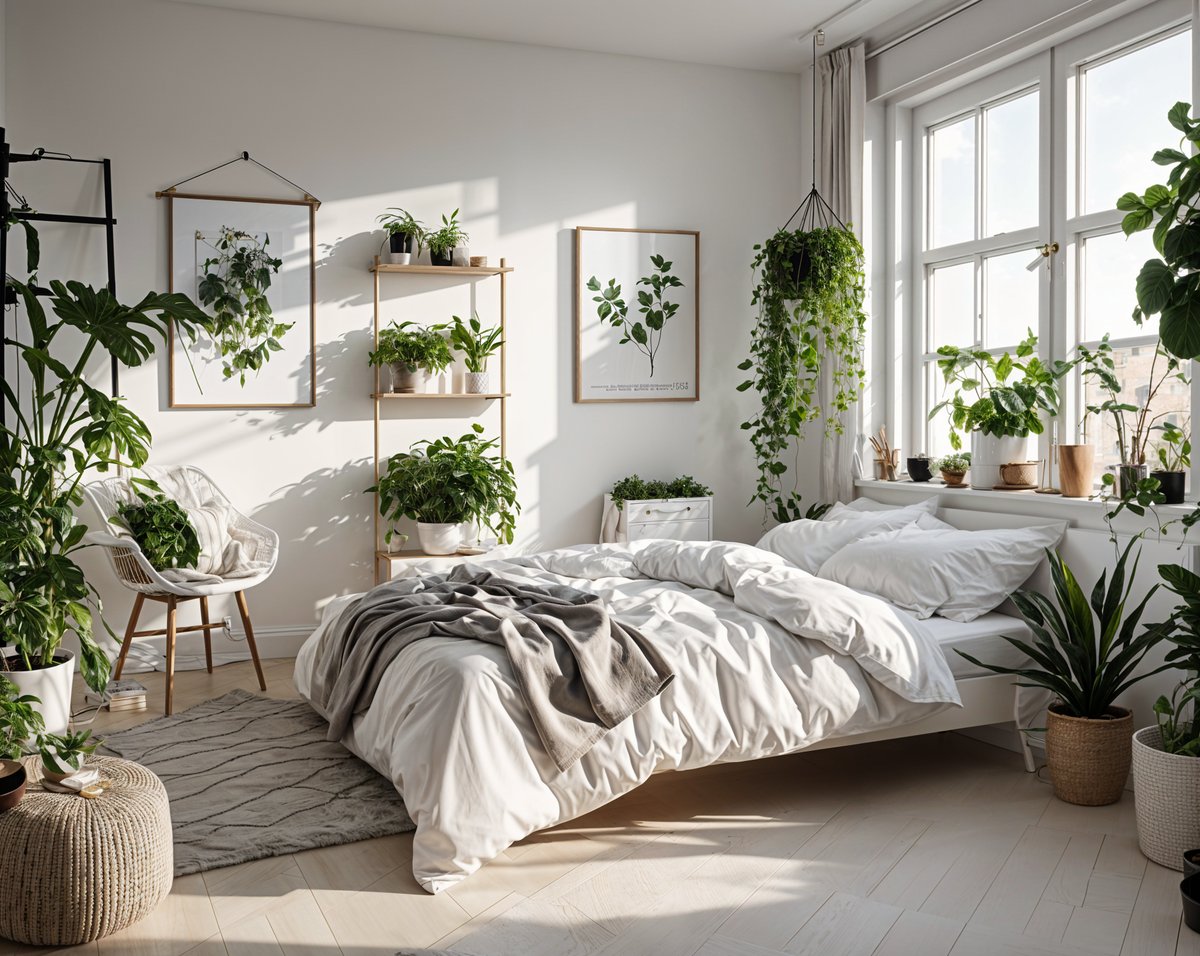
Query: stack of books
[(121, 695)]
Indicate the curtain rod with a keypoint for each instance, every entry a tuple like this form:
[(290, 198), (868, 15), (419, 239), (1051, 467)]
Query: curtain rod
[(917, 31)]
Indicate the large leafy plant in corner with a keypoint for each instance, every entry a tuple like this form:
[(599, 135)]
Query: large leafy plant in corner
[(57, 429), (1169, 286), (810, 321)]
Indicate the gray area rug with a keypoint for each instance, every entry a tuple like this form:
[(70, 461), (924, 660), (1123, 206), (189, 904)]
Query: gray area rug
[(250, 777)]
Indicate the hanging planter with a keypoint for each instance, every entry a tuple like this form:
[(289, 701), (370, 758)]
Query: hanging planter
[(809, 295)]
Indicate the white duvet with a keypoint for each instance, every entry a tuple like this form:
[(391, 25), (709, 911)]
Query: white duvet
[(768, 659)]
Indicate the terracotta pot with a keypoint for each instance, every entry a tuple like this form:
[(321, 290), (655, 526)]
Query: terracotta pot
[(1089, 759), (953, 479), (1075, 475)]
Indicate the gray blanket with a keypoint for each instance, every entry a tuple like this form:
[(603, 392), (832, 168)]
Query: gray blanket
[(581, 671)]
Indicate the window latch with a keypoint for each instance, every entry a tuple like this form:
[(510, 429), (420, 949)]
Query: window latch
[(1045, 251)]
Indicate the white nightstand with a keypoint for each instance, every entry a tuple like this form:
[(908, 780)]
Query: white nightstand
[(683, 519)]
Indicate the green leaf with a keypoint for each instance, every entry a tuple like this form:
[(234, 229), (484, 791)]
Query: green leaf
[(1168, 157), (1155, 283), (1178, 117), (1179, 327)]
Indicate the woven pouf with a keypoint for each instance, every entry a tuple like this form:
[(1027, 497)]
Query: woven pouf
[(73, 870)]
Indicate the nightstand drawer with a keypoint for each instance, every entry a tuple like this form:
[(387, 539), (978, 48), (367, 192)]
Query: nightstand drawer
[(689, 529), (675, 509)]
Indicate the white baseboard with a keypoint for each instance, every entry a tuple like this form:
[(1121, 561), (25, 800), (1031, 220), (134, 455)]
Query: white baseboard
[(1005, 736)]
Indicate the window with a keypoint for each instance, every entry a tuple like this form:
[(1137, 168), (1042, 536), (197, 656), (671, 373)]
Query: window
[(1032, 156)]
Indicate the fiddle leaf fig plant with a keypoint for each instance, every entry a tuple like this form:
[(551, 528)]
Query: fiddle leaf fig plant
[(235, 283), (811, 322), (655, 309)]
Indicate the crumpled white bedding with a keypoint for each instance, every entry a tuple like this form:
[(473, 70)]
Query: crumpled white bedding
[(768, 659)]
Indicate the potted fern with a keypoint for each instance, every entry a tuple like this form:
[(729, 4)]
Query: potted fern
[(476, 345), (445, 484), (411, 352), (1087, 654), (1166, 756)]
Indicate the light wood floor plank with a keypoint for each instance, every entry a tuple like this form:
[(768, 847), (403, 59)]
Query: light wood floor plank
[(1018, 887), (919, 934), (1101, 931), (845, 926), (1069, 881), (1157, 916), (1049, 921)]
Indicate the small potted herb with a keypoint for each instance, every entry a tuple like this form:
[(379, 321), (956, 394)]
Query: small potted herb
[(161, 529), (411, 352), (954, 468), (477, 345), (20, 723), (64, 754), (443, 241), (1174, 453), (404, 235)]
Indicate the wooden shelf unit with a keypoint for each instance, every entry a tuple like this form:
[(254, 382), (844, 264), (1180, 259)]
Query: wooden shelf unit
[(378, 396)]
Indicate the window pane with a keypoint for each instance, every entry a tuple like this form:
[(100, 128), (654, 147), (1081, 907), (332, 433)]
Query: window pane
[(1010, 305), (952, 305), (1107, 297), (952, 183), (938, 430), (1011, 200), (1133, 371), (1125, 118)]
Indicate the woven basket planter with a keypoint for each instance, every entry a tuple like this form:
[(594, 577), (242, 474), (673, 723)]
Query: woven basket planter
[(1089, 759), (74, 870), (1166, 794)]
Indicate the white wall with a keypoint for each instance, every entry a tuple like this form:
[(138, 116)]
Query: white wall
[(528, 141)]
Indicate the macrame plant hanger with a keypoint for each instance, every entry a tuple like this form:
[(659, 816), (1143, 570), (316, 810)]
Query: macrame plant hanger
[(814, 211)]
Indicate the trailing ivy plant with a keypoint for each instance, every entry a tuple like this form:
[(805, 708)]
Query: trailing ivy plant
[(1169, 286), (653, 306), (235, 283), (635, 488), (810, 319), (162, 530)]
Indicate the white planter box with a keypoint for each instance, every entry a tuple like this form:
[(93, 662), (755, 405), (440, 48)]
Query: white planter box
[(681, 519)]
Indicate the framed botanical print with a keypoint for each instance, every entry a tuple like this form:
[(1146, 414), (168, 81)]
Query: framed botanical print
[(637, 315)]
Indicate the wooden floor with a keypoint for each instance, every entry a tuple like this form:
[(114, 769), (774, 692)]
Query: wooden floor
[(931, 846)]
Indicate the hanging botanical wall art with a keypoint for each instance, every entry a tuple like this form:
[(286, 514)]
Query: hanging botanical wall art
[(637, 315)]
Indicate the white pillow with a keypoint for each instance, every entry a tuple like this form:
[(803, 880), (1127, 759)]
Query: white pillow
[(952, 573), (211, 521), (861, 507), (808, 544)]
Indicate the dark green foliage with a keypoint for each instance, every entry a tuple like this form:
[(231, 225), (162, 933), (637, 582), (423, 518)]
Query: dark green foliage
[(19, 722), (400, 222), (441, 241), (634, 488), (1180, 730), (162, 530), (653, 306), (987, 398), (1169, 286), (235, 286), (65, 753), (475, 343), (448, 482), (807, 319), (59, 429), (414, 345), (1086, 654)]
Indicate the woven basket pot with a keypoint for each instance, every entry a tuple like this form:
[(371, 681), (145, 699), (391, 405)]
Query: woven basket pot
[(1166, 796), (1089, 759)]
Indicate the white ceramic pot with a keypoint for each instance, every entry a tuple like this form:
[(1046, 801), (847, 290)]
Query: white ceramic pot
[(439, 538), (52, 686), (476, 383), (461, 256), (399, 258), (1164, 799), (408, 378), (989, 452)]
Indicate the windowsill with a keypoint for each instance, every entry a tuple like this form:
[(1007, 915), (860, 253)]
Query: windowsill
[(1081, 512)]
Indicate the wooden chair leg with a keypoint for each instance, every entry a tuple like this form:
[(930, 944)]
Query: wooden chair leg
[(207, 636), (245, 612), (171, 604), (138, 601)]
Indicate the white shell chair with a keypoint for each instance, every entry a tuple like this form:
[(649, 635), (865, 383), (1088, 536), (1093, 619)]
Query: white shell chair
[(191, 487)]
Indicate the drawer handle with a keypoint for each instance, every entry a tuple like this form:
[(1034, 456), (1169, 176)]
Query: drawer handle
[(664, 511)]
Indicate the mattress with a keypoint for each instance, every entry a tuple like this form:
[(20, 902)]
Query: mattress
[(982, 638)]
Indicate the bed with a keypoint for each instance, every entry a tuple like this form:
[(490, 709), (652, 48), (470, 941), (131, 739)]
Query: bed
[(767, 659)]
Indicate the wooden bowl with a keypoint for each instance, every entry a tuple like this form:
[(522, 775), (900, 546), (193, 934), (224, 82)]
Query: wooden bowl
[(1019, 472), (13, 781)]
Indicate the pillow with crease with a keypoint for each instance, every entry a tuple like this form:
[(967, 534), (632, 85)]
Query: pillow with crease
[(927, 520), (955, 574), (808, 544)]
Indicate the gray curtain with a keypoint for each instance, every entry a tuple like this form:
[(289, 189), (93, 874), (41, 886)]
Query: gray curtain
[(841, 104)]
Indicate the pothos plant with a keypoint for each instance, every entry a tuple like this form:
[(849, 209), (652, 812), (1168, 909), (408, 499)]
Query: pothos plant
[(653, 306), (809, 295), (635, 488), (235, 283), (1002, 395), (162, 530)]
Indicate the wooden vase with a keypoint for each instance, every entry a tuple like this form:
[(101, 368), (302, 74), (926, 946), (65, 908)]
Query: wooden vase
[(1075, 470)]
